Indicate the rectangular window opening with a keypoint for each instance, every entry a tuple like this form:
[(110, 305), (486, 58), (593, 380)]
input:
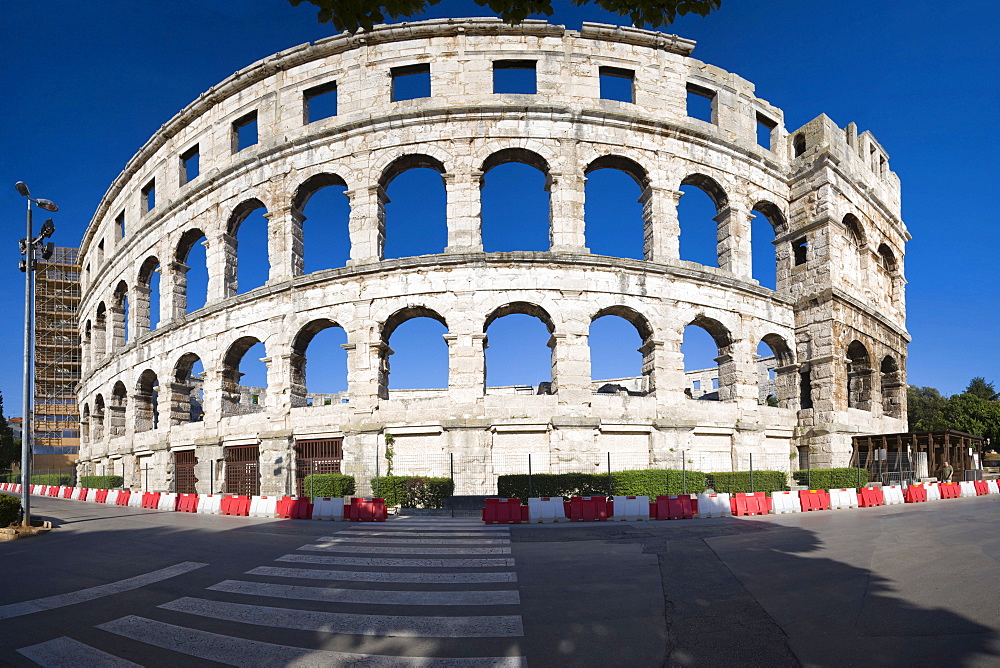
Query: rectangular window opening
[(701, 103), (617, 84), (320, 102), (411, 82), (800, 249), (100, 252), (149, 196), (715, 383), (696, 384), (245, 132), (765, 127), (189, 165), (514, 76), (120, 224)]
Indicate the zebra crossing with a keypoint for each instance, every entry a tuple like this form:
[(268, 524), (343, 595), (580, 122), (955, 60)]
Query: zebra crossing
[(408, 592)]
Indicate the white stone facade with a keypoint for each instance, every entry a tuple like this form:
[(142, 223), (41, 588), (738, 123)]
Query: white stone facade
[(822, 185)]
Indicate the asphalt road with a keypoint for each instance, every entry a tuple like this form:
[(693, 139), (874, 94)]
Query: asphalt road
[(914, 584)]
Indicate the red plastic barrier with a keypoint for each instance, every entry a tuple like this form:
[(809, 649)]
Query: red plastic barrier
[(674, 507), (915, 494), (187, 503), (81, 494), (151, 500), (123, 497), (814, 499), (750, 504), (949, 490), (235, 505), (292, 508), (68, 493), (870, 497), (588, 509), (102, 496), (368, 510), (54, 492), (981, 488), (503, 511)]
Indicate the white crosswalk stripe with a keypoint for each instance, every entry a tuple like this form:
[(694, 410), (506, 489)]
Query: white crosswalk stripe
[(390, 562), (368, 596), (68, 653), (340, 547), (406, 540), (382, 576)]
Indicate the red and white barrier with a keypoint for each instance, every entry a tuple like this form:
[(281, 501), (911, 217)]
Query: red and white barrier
[(168, 501), (968, 488), (784, 503), (870, 497), (933, 493), (263, 506), (714, 505), (627, 508), (91, 495), (328, 508), (843, 498), (548, 509), (187, 503), (814, 499), (209, 504), (496, 511), (991, 487), (135, 500), (294, 508)]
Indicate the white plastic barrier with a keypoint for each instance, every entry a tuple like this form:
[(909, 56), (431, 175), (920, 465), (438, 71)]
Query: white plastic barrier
[(627, 509), (328, 508), (209, 504), (167, 502), (263, 506), (135, 500), (991, 487), (33, 489), (112, 497), (893, 495), (933, 492), (968, 488), (548, 509), (843, 498), (91, 495), (80, 494), (714, 505), (783, 503), (62, 490)]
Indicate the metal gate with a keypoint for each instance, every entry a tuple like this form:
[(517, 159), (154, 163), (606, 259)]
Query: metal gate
[(243, 470), (321, 455), (184, 480)]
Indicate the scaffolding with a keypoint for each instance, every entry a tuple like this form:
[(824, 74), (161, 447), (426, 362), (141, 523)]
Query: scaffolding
[(56, 423)]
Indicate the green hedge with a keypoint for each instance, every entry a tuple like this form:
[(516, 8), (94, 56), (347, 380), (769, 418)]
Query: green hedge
[(651, 482), (413, 491), (739, 481), (101, 481), (52, 479), (10, 477), (328, 484), (10, 509), (832, 478)]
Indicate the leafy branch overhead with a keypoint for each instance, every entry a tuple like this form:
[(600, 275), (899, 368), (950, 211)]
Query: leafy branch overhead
[(353, 15)]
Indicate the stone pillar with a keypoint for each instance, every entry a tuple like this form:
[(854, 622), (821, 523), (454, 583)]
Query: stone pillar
[(728, 378), (786, 381), (284, 243), (364, 365), (367, 224), (566, 226), (173, 290), (277, 477), (140, 311), (221, 260), (212, 401), (117, 318), (464, 212), (571, 360), (100, 347), (662, 230), (734, 240), (654, 364), (279, 383), (466, 367)]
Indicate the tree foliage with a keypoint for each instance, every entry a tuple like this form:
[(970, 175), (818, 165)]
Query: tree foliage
[(978, 387), (974, 411), (924, 406), (10, 450), (353, 15)]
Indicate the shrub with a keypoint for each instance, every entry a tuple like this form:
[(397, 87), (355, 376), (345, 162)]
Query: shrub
[(10, 509), (413, 491), (102, 481), (651, 482), (832, 478), (739, 481), (52, 479), (10, 477), (328, 484)]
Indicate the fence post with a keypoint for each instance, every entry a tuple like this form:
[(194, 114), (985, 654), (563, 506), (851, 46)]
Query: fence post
[(531, 491), (146, 489), (451, 471), (684, 472), (211, 477), (859, 476), (376, 470), (312, 481), (752, 489), (609, 474)]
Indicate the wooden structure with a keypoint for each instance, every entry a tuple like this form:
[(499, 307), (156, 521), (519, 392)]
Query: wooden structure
[(883, 454)]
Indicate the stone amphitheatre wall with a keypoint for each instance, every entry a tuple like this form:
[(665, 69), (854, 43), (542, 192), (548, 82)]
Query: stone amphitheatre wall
[(835, 321)]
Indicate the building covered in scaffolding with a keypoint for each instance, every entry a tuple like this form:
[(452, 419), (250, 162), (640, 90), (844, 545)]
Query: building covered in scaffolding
[(57, 359)]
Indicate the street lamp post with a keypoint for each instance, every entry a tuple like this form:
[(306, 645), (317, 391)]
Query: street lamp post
[(29, 244)]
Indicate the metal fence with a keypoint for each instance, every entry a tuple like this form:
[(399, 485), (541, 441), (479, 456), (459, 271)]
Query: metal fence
[(43, 476)]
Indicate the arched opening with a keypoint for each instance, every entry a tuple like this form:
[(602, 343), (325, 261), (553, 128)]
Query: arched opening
[(515, 202), (321, 345), (187, 394), (859, 377), (147, 390), (190, 274), (852, 263), (87, 343), (147, 296), (709, 369), (247, 230), (617, 212), (621, 352), (119, 403), (520, 350), (413, 217), (414, 339), (119, 316), (97, 419), (323, 214), (244, 377), (697, 213), (892, 387), (773, 388), (799, 144), (85, 424), (768, 223)]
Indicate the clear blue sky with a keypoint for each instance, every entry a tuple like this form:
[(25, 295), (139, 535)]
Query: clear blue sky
[(86, 84)]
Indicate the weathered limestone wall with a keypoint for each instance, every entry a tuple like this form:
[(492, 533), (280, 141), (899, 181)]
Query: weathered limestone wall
[(839, 281)]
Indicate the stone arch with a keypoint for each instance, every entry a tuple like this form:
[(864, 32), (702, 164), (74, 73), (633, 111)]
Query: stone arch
[(120, 316), (516, 154), (770, 262), (233, 401), (700, 223), (726, 364), (710, 187), (299, 359), (388, 327), (117, 408), (144, 317), (86, 343), (515, 202), (333, 235), (799, 144), (98, 417), (859, 372), (785, 380), (186, 392), (179, 269), (240, 213), (887, 259), (437, 228), (534, 311), (645, 331), (633, 222), (314, 184), (892, 387), (232, 254), (100, 332), (85, 424), (147, 414), (855, 231)]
